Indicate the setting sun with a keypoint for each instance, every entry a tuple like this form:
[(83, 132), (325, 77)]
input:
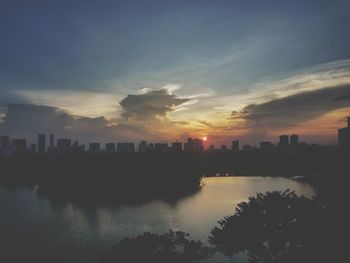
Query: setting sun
[(205, 138)]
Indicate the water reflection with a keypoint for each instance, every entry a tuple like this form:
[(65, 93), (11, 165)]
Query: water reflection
[(83, 233)]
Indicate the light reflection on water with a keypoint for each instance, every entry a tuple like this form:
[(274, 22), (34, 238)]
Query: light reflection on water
[(47, 232)]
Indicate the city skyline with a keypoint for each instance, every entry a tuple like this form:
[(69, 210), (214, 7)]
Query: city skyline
[(9, 145), (171, 70)]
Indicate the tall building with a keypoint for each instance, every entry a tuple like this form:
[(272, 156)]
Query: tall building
[(110, 147), (94, 147), (52, 141), (4, 141), (284, 140), (193, 145), (19, 145), (33, 148), (176, 146), (344, 135), (161, 147), (41, 143), (235, 146), (64, 145), (125, 147), (294, 139), (143, 146), (266, 146)]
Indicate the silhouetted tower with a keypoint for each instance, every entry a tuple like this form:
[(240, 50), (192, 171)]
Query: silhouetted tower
[(64, 145), (110, 147), (52, 141), (294, 139), (33, 147), (344, 135), (235, 146), (143, 146), (176, 147), (284, 140), (94, 147), (19, 145), (41, 143)]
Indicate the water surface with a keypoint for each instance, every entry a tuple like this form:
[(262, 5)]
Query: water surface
[(34, 229)]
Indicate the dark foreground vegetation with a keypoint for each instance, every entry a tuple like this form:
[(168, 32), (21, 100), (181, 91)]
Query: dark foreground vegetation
[(271, 227)]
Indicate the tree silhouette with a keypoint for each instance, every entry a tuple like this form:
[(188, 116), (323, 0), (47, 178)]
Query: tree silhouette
[(172, 247), (272, 227)]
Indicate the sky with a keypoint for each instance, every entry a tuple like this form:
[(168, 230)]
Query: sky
[(167, 70)]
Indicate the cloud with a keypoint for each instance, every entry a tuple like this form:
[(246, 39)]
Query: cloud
[(292, 110), (152, 105), (143, 116)]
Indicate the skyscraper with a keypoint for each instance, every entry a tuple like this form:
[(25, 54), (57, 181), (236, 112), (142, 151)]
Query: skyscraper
[(294, 139), (235, 146), (41, 143), (284, 140), (344, 135), (52, 141)]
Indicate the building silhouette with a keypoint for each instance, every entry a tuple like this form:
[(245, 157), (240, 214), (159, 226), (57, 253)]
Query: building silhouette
[(110, 147), (94, 147), (344, 135), (41, 143), (193, 145), (64, 145), (161, 147), (19, 145), (294, 139), (123, 147), (143, 146), (176, 146), (284, 140), (33, 148), (266, 146), (235, 146)]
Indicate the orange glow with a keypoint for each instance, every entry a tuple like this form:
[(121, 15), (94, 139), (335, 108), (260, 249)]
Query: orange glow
[(205, 138)]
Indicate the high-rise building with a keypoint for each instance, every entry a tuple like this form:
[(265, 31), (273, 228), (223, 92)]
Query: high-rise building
[(294, 139), (266, 146), (125, 147), (284, 140), (52, 141), (193, 145), (33, 148), (143, 146), (110, 147), (94, 147), (235, 146), (176, 146), (64, 145), (4, 141), (344, 135), (19, 145), (41, 143), (161, 147)]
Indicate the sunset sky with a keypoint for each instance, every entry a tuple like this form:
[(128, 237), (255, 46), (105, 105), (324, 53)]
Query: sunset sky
[(167, 70)]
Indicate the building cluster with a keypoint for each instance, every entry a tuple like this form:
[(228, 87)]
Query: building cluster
[(344, 135), (9, 147)]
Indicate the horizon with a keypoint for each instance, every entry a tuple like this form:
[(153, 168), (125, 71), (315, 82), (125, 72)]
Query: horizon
[(166, 71)]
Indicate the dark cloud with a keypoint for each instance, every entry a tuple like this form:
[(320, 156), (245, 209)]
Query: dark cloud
[(143, 117), (150, 105), (27, 120), (292, 110)]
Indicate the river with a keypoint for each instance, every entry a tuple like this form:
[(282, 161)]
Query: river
[(35, 229)]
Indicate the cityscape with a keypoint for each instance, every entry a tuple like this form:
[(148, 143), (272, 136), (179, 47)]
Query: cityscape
[(12, 146), (174, 131)]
